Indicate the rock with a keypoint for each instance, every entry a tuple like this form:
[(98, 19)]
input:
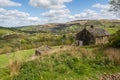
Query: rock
[(111, 77), (39, 51)]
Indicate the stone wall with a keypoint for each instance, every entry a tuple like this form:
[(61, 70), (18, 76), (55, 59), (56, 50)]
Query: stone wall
[(101, 40)]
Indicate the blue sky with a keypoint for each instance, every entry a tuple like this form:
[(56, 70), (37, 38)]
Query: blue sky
[(76, 6), (32, 12)]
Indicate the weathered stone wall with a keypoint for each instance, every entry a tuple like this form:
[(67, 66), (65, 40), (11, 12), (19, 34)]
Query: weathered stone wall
[(101, 40)]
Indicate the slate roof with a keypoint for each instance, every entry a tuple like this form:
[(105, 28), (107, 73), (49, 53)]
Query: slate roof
[(98, 32)]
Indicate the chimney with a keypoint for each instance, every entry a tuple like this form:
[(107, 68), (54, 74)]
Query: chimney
[(92, 26)]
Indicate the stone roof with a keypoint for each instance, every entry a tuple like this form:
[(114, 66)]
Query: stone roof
[(98, 32)]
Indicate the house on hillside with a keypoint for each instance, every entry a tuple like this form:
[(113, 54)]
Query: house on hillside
[(92, 36)]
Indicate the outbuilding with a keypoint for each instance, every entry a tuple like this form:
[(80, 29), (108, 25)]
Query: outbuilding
[(92, 36)]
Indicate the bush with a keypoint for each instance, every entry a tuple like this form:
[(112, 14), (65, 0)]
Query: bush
[(115, 40)]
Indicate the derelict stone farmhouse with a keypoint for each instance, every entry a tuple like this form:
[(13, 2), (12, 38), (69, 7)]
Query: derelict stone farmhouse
[(92, 36)]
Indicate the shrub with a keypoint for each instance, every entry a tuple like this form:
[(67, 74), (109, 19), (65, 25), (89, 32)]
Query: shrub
[(115, 40)]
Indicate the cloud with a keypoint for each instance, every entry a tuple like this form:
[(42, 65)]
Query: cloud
[(49, 4), (86, 14), (16, 18), (8, 3), (59, 15), (64, 14), (57, 11), (105, 12), (101, 6), (102, 13)]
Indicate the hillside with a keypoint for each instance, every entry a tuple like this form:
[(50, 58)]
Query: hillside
[(58, 27), (65, 62), (72, 26), (53, 34), (4, 30)]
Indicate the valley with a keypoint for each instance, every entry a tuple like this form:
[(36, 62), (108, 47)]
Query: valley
[(64, 60)]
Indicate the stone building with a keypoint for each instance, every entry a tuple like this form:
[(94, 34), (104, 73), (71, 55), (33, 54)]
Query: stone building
[(92, 36)]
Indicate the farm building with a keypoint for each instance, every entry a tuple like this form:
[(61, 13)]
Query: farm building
[(92, 36)]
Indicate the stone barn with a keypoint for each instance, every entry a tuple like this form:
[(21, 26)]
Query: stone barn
[(92, 36)]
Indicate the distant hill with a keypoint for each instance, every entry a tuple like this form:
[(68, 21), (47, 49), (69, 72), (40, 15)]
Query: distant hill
[(4, 30), (72, 26), (62, 26)]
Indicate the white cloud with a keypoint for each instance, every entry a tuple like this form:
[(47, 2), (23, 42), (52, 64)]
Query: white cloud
[(87, 14), (105, 12), (59, 15), (16, 18), (101, 6), (49, 4), (8, 3), (56, 13), (63, 15), (102, 13), (56, 9)]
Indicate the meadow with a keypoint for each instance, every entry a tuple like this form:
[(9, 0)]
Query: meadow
[(64, 61), (5, 59)]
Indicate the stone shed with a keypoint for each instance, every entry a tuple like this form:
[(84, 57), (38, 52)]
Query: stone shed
[(92, 36)]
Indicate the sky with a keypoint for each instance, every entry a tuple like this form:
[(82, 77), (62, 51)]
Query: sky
[(14, 13)]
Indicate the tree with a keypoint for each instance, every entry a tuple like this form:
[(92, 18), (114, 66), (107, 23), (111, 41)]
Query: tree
[(115, 39), (115, 6)]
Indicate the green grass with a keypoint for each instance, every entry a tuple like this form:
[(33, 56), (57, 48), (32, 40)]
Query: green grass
[(112, 30), (4, 31), (19, 55), (69, 64)]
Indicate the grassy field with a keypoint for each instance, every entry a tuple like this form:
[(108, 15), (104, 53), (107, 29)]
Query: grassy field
[(61, 63), (112, 30), (4, 31), (65, 63), (19, 55)]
